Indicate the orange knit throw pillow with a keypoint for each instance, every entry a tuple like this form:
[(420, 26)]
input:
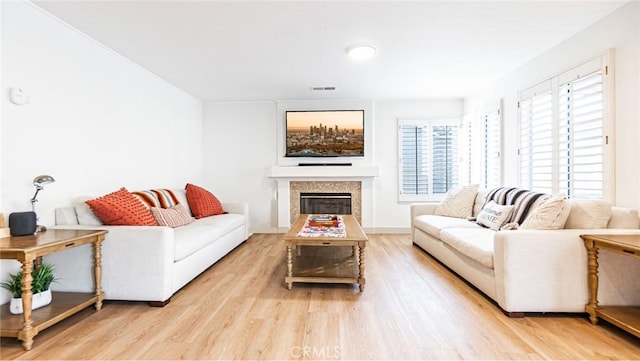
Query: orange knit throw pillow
[(201, 202), (121, 208)]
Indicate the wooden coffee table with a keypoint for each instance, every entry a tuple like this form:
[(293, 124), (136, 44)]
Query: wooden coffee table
[(326, 259)]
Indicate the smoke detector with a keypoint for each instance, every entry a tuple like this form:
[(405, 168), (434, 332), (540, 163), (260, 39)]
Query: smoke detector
[(321, 88)]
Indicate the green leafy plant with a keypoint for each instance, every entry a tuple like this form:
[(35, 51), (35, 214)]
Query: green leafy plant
[(42, 279)]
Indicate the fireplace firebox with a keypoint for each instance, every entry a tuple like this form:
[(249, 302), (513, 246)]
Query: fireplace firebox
[(325, 203)]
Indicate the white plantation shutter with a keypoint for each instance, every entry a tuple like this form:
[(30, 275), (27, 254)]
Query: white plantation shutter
[(563, 133), (491, 123), (414, 147), (429, 164), (465, 150), (536, 140), (581, 137)]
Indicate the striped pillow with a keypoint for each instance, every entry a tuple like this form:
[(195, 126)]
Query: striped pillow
[(173, 217), (148, 198), (158, 198), (523, 200)]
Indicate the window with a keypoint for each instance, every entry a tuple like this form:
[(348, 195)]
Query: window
[(563, 134), (429, 164)]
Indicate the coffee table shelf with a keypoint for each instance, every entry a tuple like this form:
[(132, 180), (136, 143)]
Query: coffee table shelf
[(326, 264)]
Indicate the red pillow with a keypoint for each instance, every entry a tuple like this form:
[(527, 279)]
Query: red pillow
[(202, 202), (121, 208)]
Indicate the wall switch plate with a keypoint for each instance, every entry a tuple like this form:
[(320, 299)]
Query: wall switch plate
[(18, 96)]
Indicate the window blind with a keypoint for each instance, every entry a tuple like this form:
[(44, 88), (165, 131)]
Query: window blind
[(581, 137), (491, 149), (536, 142), (563, 133), (429, 164)]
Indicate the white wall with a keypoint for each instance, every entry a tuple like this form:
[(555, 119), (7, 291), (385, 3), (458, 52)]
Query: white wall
[(249, 136), (619, 30), (96, 121), (239, 150)]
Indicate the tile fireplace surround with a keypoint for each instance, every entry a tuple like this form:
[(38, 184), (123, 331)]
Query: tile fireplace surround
[(295, 179), (352, 187)]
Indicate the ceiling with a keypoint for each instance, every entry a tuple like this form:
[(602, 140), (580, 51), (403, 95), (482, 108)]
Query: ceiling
[(277, 50)]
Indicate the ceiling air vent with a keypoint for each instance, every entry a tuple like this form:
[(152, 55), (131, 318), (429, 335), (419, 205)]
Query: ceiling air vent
[(321, 88)]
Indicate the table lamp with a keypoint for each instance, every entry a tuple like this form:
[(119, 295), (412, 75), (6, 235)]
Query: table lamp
[(39, 182)]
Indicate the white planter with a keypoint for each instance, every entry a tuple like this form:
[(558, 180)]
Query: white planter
[(38, 300)]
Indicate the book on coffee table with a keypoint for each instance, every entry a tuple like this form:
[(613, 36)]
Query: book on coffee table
[(323, 226)]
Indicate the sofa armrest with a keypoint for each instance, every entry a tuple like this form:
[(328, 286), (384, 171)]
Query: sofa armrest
[(239, 208), (543, 270), (137, 263), (419, 209)]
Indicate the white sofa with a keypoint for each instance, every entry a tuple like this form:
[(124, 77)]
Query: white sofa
[(530, 270), (149, 263)]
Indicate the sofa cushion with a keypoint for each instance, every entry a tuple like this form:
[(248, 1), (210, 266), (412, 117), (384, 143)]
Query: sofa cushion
[(202, 202), (458, 202), (551, 214), (494, 215), (190, 239), (624, 218), (227, 222), (476, 244), (433, 225), (173, 217), (588, 214), (121, 208)]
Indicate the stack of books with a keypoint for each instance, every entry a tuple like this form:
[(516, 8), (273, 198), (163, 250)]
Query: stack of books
[(323, 226), (323, 221)]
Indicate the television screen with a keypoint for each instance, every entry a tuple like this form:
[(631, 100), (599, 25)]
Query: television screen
[(325, 133)]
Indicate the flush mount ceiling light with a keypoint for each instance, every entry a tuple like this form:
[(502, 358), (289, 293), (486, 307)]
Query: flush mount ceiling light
[(361, 51)]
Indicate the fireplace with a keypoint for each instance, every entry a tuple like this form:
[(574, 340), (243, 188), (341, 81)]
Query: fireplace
[(325, 203), (292, 180), (345, 189)]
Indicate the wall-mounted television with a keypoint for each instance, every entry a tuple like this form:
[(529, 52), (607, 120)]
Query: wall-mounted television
[(324, 133)]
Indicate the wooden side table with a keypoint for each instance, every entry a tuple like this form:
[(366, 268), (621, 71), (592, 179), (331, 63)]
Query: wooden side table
[(29, 250), (625, 317)]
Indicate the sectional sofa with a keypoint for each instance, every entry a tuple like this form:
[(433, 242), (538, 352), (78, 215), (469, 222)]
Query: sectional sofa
[(531, 270), (147, 263)]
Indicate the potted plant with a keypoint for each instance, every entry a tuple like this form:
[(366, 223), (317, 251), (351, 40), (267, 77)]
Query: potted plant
[(43, 276)]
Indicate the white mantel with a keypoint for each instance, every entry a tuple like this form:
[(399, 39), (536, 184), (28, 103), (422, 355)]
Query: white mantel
[(285, 174), (317, 172)]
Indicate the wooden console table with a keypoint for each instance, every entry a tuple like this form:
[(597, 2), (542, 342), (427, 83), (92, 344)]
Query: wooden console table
[(628, 317), (29, 250)]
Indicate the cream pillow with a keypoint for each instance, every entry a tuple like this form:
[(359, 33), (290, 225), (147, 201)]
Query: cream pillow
[(458, 202), (494, 215), (550, 214), (86, 217), (588, 214)]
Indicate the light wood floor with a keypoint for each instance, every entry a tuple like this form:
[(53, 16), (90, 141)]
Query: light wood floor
[(412, 308)]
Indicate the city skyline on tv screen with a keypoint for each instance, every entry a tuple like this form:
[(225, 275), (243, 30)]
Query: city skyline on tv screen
[(333, 133)]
